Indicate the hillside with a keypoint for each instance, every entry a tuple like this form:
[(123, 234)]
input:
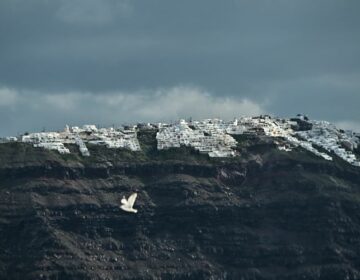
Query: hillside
[(265, 214)]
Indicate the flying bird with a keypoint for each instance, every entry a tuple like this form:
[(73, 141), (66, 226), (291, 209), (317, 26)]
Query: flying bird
[(127, 204)]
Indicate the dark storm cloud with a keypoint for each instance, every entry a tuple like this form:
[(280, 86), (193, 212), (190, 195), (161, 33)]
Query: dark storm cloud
[(287, 56)]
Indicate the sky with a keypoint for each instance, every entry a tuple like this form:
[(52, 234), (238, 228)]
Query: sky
[(111, 62)]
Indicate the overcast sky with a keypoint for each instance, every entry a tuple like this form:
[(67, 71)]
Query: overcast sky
[(118, 61)]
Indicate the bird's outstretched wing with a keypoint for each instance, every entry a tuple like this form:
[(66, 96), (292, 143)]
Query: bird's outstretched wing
[(131, 199)]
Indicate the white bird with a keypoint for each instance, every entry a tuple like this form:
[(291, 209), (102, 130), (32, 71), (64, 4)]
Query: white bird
[(127, 204)]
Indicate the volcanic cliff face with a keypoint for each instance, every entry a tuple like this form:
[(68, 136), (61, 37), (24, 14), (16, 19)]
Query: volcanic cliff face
[(263, 215)]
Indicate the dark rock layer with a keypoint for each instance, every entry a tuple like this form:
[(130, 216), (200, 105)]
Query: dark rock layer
[(268, 215)]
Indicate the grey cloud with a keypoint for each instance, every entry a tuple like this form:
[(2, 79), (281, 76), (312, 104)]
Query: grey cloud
[(163, 104), (270, 52), (92, 12), (330, 97)]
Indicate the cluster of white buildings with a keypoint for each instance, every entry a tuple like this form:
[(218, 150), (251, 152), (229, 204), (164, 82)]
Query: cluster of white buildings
[(322, 135), (209, 136), (281, 129), (46, 140), (213, 136), (325, 135), (113, 138), (88, 134)]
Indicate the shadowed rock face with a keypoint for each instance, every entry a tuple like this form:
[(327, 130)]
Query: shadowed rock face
[(266, 215)]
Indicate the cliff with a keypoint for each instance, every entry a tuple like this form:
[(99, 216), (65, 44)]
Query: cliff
[(267, 214)]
